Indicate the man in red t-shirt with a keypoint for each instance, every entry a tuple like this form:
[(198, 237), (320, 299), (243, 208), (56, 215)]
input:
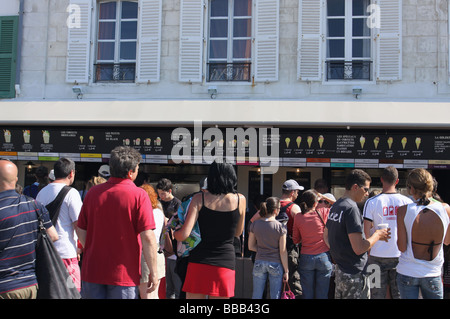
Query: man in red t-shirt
[(116, 225)]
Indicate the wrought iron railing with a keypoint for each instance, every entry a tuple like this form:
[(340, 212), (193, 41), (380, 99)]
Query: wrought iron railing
[(229, 72), (349, 70), (123, 72)]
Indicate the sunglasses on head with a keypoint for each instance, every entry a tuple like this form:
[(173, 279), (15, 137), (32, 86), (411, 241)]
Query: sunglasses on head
[(322, 201)]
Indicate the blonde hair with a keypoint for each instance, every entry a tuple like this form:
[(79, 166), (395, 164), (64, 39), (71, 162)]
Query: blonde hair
[(422, 181)]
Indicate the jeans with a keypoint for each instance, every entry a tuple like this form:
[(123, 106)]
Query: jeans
[(315, 273), (263, 270), (430, 287), (99, 291)]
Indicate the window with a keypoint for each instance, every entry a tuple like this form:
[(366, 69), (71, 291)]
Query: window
[(116, 41), (8, 52), (348, 40), (230, 40)]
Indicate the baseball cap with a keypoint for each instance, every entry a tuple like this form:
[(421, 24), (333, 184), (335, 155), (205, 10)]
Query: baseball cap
[(291, 185), (329, 196), (104, 171), (51, 175)]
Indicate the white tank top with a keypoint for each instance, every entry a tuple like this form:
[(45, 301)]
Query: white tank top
[(418, 268)]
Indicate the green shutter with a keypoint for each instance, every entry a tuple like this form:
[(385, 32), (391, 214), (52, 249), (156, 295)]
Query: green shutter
[(8, 55)]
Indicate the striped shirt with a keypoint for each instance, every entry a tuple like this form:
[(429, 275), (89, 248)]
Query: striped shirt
[(18, 236)]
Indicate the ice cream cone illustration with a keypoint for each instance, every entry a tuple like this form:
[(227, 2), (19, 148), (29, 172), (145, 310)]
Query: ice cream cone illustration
[(46, 136), (148, 141), (376, 140), (362, 141), (137, 141), (91, 138), (158, 141), (418, 141), (321, 139), (309, 139), (7, 135), (390, 140), (298, 140), (81, 139), (404, 141), (287, 140)]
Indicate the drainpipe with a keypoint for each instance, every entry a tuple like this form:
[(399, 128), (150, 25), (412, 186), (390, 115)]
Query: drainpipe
[(19, 46)]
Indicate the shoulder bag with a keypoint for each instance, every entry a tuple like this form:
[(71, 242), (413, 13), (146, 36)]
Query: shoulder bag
[(54, 281)]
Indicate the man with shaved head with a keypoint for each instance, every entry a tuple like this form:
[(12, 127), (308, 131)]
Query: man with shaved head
[(18, 235)]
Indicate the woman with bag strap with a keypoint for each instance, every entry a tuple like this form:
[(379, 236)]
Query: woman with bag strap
[(267, 237), (315, 266)]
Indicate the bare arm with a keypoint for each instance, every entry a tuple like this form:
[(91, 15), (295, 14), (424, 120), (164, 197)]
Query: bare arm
[(242, 208), (401, 229), (52, 233), (149, 248), (284, 258), (367, 227), (82, 236), (361, 245), (251, 241), (447, 236)]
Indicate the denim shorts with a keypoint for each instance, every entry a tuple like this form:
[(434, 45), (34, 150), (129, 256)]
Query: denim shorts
[(99, 291)]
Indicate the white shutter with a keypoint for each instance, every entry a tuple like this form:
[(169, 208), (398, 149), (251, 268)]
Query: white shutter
[(310, 40), (389, 41), (79, 41), (267, 21), (191, 41), (149, 41)]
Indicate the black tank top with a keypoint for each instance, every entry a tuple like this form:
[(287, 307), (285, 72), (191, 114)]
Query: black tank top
[(217, 231)]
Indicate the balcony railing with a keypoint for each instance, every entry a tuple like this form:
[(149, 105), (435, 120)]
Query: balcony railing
[(123, 72), (349, 70), (228, 72)]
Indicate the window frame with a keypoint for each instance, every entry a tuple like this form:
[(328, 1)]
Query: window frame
[(348, 45), (230, 60), (117, 41)]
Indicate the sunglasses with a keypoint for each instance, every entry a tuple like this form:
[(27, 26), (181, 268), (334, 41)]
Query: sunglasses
[(323, 202)]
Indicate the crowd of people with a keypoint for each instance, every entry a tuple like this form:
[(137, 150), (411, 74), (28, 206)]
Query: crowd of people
[(123, 239)]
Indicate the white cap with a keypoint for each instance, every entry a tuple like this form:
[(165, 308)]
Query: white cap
[(51, 175), (291, 185), (329, 196), (104, 171)]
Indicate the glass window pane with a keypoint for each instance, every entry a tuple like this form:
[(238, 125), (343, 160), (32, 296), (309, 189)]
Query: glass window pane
[(360, 28), (336, 27), (218, 28), (128, 30), (242, 8), (105, 51), (335, 48), (106, 30), (128, 50), (107, 10), (219, 8), (218, 49), (129, 10), (336, 7), (360, 7), (242, 28), (242, 49), (361, 48)]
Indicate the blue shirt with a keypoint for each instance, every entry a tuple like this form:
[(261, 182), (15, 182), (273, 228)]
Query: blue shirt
[(18, 235)]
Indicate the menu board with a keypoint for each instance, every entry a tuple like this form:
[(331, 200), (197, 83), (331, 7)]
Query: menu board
[(326, 148)]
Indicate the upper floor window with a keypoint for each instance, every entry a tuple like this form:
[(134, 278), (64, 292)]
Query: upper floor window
[(348, 40), (116, 41), (230, 40)]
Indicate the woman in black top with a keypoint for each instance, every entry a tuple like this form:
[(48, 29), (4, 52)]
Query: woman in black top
[(220, 212)]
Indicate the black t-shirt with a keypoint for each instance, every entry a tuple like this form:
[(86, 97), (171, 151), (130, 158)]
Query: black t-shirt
[(170, 208), (345, 218)]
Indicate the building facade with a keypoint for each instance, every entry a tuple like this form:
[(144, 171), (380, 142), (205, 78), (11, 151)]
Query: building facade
[(341, 71)]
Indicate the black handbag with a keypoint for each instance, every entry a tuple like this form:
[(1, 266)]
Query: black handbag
[(54, 281)]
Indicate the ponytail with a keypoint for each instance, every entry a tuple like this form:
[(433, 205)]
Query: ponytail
[(307, 201), (269, 207)]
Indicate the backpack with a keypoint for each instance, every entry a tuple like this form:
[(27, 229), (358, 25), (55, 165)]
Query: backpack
[(55, 206)]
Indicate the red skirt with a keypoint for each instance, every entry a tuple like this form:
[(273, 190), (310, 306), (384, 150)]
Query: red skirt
[(209, 280)]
